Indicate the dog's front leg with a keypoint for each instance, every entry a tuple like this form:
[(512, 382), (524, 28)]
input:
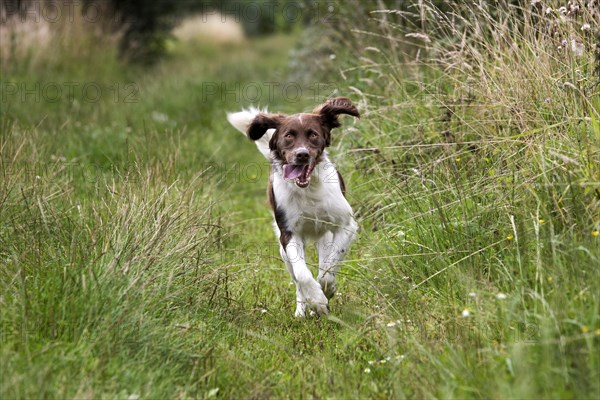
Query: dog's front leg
[(308, 292), (300, 301), (332, 249)]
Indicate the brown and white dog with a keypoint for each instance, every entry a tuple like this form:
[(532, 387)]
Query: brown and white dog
[(306, 192)]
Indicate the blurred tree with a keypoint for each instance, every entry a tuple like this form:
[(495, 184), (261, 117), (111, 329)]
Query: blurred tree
[(146, 25)]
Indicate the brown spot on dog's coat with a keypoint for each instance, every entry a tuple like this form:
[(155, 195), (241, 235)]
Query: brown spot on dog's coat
[(285, 235)]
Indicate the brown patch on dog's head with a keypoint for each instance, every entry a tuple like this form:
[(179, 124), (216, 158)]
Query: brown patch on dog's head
[(300, 139), (330, 110), (262, 123)]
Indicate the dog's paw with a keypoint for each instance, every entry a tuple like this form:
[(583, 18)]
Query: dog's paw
[(300, 309), (320, 308), (328, 285), (316, 300), (311, 298)]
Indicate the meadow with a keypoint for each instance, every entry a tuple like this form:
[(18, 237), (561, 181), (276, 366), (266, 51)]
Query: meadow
[(137, 258)]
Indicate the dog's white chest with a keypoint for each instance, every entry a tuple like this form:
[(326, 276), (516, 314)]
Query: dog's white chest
[(315, 210)]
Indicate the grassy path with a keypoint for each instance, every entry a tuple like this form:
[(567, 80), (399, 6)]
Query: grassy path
[(137, 246)]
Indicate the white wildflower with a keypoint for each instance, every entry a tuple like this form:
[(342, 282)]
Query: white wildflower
[(577, 48), (574, 7), (586, 27), (501, 296), (465, 313), (367, 370), (472, 294)]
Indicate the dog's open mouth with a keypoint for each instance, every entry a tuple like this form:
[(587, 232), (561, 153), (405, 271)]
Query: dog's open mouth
[(300, 173)]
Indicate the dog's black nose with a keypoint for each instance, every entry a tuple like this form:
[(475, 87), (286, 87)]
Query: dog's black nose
[(302, 156)]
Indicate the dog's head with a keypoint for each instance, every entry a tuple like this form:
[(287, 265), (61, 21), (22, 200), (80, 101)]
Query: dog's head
[(300, 139)]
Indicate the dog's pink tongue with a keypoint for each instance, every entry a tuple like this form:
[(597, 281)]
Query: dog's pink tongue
[(292, 171)]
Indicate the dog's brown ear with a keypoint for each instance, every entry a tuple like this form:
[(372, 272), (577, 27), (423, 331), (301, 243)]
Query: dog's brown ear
[(263, 122), (330, 110)]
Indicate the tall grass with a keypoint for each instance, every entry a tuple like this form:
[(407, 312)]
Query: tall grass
[(481, 198)]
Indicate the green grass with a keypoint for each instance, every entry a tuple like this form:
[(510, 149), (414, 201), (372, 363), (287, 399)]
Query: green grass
[(138, 260)]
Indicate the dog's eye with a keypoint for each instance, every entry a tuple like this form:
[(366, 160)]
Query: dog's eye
[(312, 135), (288, 135)]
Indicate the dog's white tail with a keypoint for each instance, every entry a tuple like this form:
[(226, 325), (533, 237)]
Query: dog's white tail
[(241, 121)]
